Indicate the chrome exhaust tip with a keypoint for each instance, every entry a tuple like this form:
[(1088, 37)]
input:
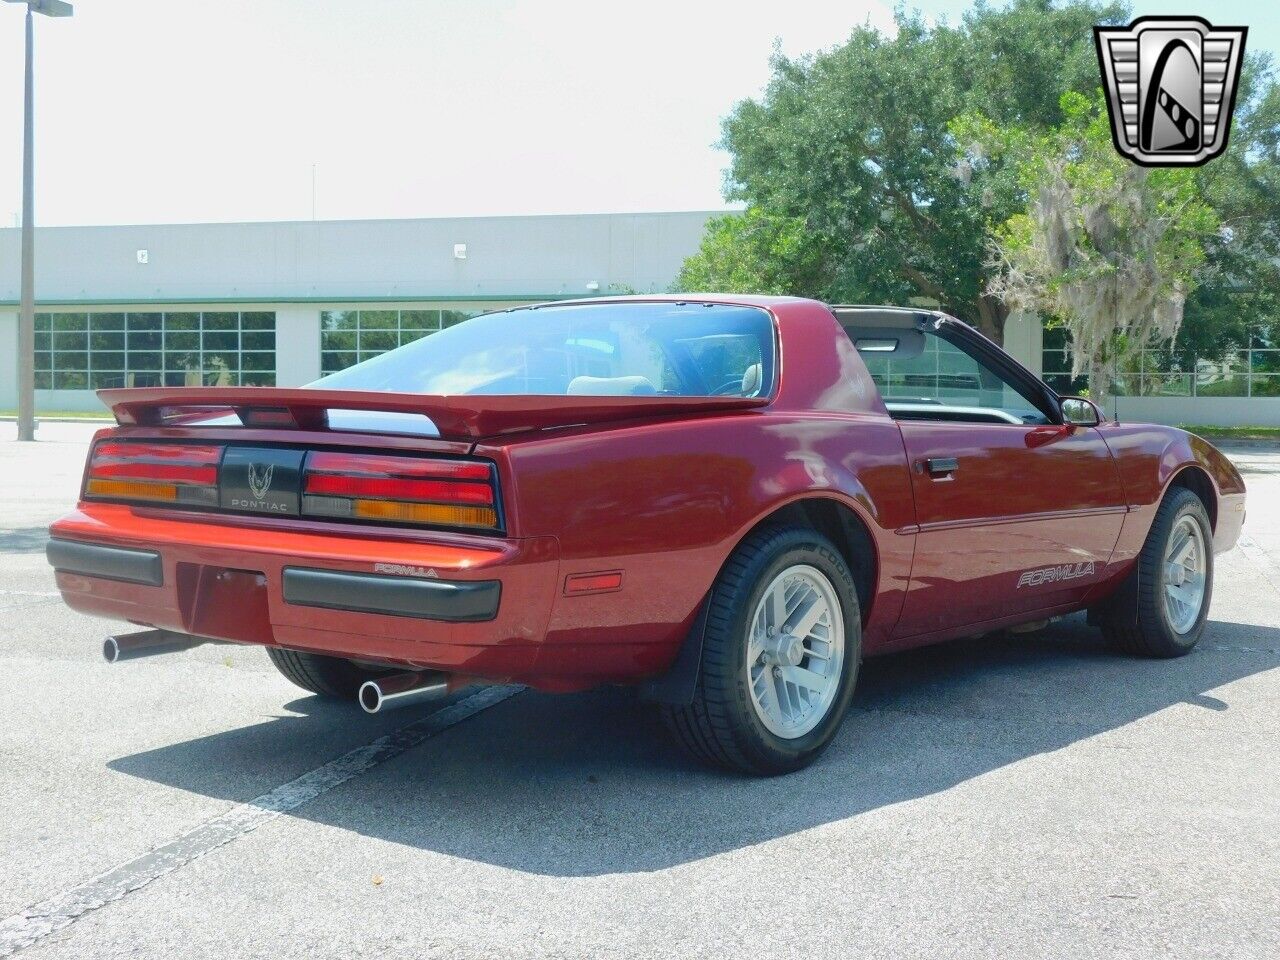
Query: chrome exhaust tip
[(402, 690), (148, 643)]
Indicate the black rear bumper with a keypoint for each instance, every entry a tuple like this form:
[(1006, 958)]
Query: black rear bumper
[(109, 563), (452, 601)]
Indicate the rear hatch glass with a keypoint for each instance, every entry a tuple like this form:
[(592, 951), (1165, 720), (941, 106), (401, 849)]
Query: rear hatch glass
[(594, 349)]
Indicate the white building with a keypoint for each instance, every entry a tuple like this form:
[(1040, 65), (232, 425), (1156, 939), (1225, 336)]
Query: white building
[(283, 303)]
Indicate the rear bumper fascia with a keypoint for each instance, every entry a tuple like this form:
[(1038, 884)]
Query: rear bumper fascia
[(465, 604), (491, 607)]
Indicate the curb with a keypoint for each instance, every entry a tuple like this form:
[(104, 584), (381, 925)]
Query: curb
[(105, 421), (1228, 445)]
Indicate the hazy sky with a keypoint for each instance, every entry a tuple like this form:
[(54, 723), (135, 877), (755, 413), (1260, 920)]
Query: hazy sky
[(195, 110)]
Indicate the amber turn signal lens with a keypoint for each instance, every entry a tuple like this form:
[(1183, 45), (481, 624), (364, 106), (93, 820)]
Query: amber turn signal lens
[(131, 489), (438, 513)]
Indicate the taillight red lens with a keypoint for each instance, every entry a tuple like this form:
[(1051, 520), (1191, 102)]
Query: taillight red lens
[(389, 489), (186, 452), (395, 488), (371, 464), (423, 490), (154, 472), (176, 472)]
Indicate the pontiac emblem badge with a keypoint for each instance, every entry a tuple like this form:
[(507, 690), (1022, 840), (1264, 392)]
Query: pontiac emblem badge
[(1171, 87), (260, 479)]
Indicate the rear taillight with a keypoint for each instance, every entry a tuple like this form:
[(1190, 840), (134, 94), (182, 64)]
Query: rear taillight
[(451, 493), (154, 473)]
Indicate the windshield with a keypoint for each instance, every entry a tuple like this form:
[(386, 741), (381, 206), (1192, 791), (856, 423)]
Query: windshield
[(593, 349)]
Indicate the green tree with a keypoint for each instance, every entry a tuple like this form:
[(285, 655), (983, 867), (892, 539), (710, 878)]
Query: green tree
[(848, 167), (753, 253), (1108, 249), (1239, 290)]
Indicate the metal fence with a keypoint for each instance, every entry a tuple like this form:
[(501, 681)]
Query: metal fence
[(1232, 372)]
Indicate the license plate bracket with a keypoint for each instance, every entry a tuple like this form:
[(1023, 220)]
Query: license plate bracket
[(224, 603)]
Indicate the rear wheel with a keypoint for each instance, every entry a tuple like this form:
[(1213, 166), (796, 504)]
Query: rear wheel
[(780, 656), (1175, 581), (327, 676)]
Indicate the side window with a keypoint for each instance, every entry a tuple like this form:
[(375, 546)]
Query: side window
[(921, 376)]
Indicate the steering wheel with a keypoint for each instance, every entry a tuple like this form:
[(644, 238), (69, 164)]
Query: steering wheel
[(728, 388)]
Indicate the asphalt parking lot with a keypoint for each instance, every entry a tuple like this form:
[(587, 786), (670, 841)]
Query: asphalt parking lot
[(1024, 796)]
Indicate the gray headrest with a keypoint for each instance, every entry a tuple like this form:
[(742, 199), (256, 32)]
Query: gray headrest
[(751, 380), (611, 387)]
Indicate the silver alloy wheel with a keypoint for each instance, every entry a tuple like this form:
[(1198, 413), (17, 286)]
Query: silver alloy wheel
[(1185, 567), (795, 651)]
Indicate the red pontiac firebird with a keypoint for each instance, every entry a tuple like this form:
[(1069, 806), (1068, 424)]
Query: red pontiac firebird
[(727, 501)]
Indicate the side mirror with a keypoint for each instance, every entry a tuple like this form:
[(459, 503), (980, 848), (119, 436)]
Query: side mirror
[(1080, 412)]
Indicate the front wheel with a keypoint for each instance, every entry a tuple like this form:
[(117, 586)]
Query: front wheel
[(780, 656), (1175, 581)]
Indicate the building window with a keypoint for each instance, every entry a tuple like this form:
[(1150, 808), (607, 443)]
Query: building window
[(348, 337), (93, 351), (1252, 371)]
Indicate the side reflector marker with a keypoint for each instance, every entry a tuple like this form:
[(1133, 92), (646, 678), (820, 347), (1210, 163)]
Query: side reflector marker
[(603, 581)]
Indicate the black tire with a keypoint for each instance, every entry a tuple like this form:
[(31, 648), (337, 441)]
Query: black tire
[(327, 676), (1153, 635), (721, 726)]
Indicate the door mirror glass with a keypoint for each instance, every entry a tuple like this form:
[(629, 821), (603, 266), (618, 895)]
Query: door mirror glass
[(1080, 412)]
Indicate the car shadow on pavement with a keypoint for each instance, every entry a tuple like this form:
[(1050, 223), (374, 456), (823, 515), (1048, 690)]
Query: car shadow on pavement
[(587, 784), (24, 539)]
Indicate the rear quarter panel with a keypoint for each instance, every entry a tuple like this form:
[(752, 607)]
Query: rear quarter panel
[(666, 503)]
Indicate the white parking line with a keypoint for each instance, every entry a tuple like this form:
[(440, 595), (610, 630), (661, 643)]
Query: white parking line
[(1235, 648), (12, 603), (63, 909)]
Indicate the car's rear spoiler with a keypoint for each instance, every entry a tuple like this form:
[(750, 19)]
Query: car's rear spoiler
[(455, 417)]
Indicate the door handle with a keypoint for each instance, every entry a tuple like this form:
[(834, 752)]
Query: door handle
[(941, 467)]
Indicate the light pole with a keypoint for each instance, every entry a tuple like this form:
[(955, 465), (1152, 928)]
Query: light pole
[(27, 318)]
